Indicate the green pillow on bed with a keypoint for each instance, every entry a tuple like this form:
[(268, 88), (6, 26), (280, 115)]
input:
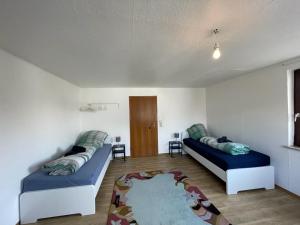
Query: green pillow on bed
[(197, 131)]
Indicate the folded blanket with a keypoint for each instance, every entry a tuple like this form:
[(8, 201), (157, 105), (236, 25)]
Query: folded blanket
[(211, 141), (69, 164), (90, 141), (64, 166), (236, 148), (227, 147)]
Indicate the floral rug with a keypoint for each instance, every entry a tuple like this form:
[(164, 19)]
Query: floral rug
[(160, 198)]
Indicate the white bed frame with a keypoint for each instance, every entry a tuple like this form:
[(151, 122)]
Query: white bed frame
[(35, 205), (238, 179)]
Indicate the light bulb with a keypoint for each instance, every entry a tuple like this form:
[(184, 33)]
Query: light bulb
[(217, 52)]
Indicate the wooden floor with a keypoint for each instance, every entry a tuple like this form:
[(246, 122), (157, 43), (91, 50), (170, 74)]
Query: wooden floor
[(262, 207)]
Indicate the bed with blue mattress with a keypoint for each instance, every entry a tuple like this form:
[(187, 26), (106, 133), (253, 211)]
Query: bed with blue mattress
[(47, 196), (240, 172), (87, 175), (226, 161)]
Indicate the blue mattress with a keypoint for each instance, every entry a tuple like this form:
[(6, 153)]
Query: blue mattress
[(226, 161), (86, 175)]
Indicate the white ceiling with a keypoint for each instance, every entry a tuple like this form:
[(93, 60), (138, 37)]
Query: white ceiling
[(146, 43)]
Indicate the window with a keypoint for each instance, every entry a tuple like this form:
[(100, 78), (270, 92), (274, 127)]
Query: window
[(297, 107)]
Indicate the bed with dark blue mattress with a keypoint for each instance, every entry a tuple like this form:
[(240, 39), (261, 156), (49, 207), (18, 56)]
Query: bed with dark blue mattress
[(226, 161), (240, 172), (48, 196)]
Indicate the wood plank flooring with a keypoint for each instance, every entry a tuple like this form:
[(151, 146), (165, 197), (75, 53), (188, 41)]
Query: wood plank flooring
[(258, 207)]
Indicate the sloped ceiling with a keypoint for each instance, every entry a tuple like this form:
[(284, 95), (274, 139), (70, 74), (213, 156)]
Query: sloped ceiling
[(146, 43)]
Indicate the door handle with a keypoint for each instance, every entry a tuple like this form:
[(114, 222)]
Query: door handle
[(297, 115), (152, 125)]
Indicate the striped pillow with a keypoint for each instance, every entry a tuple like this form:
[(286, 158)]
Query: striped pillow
[(92, 138)]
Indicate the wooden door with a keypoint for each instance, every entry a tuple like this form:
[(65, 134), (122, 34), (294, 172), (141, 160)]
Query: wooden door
[(143, 125), (297, 107)]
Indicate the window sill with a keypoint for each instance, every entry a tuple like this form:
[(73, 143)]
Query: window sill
[(293, 147)]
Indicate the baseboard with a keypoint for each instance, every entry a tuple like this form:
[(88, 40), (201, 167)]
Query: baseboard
[(287, 191)]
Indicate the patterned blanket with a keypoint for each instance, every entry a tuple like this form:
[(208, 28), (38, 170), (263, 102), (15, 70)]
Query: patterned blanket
[(91, 141), (69, 164), (227, 147)]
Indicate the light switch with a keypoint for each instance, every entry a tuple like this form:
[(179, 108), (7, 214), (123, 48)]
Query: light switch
[(160, 123)]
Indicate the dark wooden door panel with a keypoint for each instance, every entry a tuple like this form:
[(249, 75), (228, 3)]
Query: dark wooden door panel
[(143, 125), (297, 106)]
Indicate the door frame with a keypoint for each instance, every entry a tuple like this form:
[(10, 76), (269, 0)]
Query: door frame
[(130, 132)]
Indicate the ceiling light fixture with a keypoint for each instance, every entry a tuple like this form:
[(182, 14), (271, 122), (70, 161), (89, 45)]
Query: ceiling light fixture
[(217, 52)]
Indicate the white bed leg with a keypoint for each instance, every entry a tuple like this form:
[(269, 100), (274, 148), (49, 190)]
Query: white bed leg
[(90, 211), (269, 187), (249, 178), (32, 219), (27, 219), (57, 202), (231, 190)]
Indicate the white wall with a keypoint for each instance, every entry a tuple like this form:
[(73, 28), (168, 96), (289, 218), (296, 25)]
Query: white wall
[(253, 109), (178, 108), (39, 118)]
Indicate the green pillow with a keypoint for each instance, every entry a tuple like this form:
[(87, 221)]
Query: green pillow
[(202, 129), (197, 131)]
